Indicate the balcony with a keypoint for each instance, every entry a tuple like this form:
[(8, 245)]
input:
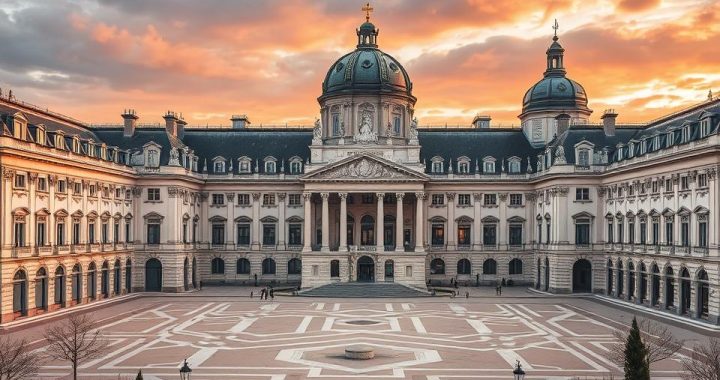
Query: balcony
[(682, 250), (20, 252), (700, 251), (294, 247), (464, 247)]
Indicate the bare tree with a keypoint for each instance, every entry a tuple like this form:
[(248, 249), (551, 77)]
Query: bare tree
[(75, 340), (704, 363), (661, 344), (17, 361)]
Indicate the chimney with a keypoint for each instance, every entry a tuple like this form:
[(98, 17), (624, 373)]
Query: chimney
[(608, 119), (181, 123), (239, 121), (129, 122), (563, 123), (171, 123), (481, 121)]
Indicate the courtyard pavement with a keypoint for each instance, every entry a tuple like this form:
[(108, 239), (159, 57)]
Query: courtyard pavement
[(224, 334)]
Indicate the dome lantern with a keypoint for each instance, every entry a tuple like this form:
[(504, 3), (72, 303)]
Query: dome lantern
[(367, 33), (554, 53)]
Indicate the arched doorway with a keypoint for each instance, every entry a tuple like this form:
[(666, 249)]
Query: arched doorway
[(547, 274), (582, 276), (186, 270), (631, 280), (153, 275), (92, 281), (105, 280), (537, 278), (60, 286), (20, 293), (655, 296), (703, 295), (610, 281), (685, 291), (76, 283), (367, 230), (194, 273), (41, 289), (669, 288), (642, 297), (117, 284), (620, 279), (366, 269), (389, 271), (128, 276)]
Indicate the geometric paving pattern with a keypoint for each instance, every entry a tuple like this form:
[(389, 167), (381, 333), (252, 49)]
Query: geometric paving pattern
[(305, 339)]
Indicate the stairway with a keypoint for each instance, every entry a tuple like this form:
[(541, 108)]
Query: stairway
[(363, 290)]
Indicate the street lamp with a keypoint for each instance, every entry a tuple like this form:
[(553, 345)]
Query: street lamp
[(185, 371), (518, 372)]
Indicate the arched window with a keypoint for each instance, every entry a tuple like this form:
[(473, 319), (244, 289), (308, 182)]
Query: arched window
[(217, 266), (515, 266), (490, 266), (294, 266), (437, 266), (367, 230), (464, 266), (20, 292), (268, 266), (243, 266)]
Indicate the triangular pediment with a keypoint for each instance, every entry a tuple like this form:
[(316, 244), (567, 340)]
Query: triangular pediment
[(364, 167)]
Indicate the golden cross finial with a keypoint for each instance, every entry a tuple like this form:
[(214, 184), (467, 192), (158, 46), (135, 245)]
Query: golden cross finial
[(556, 27), (367, 9)]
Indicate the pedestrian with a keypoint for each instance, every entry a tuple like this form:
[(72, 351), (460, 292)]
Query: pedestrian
[(272, 294), (262, 293), (500, 289), (467, 295), (251, 294), (497, 288), (200, 284)]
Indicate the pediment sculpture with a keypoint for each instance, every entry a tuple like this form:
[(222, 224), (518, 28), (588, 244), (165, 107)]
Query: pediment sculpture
[(365, 133), (363, 168)]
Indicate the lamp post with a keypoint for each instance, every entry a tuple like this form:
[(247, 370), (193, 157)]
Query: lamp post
[(518, 372), (185, 371)]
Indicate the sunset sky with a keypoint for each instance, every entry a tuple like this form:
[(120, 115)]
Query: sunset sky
[(211, 59)]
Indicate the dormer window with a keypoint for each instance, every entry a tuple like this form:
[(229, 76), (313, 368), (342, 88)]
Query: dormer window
[(463, 165), (489, 165), (103, 152), (19, 126), (583, 157), (643, 147), (514, 165), (219, 167), (90, 149), (686, 133), (631, 150), (619, 152), (669, 137), (60, 140), (657, 142), (295, 165), (40, 135), (704, 127), (270, 165), (244, 165), (76, 145), (437, 165)]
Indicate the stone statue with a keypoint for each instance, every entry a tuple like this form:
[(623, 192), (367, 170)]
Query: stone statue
[(413, 133), (366, 134), (174, 157), (152, 159), (388, 130), (317, 132), (560, 155), (342, 128)]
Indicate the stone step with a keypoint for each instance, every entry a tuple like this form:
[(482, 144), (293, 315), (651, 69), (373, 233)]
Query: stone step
[(363, 290)]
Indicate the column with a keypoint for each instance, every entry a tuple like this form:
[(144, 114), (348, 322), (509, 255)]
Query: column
[(380, 223), (476, 228), (31, 220), (325, 247), (307, 223), (419, 221), (399, 219), (451, 225), (282, 226), (255, 244), (343, 222)]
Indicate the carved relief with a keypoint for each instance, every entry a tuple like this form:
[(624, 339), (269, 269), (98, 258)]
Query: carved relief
[(362, 168)]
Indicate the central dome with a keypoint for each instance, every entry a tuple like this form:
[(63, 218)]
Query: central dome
[(367, 70)]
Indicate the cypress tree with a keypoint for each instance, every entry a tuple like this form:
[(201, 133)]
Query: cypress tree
[(636, 365)]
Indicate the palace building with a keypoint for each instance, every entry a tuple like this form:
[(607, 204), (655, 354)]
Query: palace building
[(560, 204)]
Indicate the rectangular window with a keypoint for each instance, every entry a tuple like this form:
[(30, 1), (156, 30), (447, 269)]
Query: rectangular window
[(438, 199), (464, 199), (584, 157), (702, 180), (42, 184), (643, 233), (60, 233), (218, 199), (92, 190), (243, 199), (127, 232), (61, 186), (610, 230), (185, 232), (621, 232), (539, 231), (118, 193), (40, 234), (268, 199), (437, 167), (194, 231), (582, 194), (397, 124), (489, 234), (76, 233), (489, 199), (684, 183), (547, 233), (294, 200), (295, 234), (668, 185), (153, 233), (20, 181), (19, 234), (243, 234), (631, 232), (153, 194), (669, 232), (268, 234), (335, 124), (685, 234), (515, 237), (656, 233), (516, 199), (368, 198), (91, 233), (218, 234), (104, 233), (582, 232), (438, 234), (655, 186), (702, 234), (116, 232), (463, 234)]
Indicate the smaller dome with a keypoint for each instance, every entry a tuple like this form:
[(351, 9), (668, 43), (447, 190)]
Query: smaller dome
[(367, 26), (555, 93)]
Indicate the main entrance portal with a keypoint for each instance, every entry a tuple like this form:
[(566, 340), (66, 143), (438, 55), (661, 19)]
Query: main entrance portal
[(366, 269)]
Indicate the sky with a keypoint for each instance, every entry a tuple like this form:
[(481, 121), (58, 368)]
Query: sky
[(210, 59)]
